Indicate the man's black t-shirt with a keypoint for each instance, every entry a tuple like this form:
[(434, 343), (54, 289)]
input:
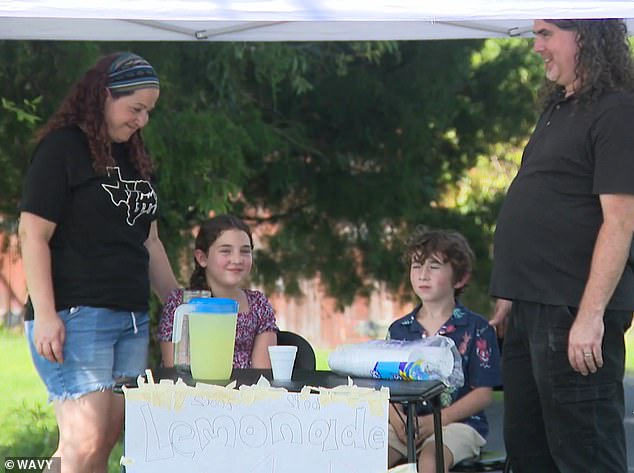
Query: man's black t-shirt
[(548, 224), (97, 250)]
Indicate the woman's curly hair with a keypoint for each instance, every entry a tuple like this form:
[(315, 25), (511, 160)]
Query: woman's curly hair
[(603, 63), (84, 106)]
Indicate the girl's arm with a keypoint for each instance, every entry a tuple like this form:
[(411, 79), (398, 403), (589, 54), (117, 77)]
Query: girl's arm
[(167, 354), (161, 275), (48, 332), (260, 354), (165, 327)]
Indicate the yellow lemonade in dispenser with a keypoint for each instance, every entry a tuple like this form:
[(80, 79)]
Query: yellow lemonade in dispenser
[(212, 341), (212, 332)]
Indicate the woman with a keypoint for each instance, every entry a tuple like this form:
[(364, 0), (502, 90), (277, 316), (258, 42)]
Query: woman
[(91, 250)]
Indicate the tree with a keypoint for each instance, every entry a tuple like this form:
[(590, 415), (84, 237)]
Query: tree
[(370, 149), (34, 75), (340, 147)]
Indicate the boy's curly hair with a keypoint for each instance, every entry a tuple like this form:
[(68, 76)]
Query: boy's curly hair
[(449, 245)]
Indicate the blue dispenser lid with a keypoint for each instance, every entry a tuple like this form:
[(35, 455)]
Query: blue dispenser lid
[(217, 305)]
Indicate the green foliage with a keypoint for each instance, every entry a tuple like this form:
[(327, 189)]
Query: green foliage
[(25, 112), (34, 76), (371, 149), (200, 164), (341, 147)]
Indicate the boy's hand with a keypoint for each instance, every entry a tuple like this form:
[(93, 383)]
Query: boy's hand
[(425, 428), (397, 422)]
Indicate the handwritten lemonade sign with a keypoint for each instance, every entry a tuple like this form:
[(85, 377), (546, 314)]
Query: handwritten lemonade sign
[(256, 429)]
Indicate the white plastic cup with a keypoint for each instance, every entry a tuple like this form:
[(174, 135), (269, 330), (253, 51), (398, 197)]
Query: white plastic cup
[(282, 361)]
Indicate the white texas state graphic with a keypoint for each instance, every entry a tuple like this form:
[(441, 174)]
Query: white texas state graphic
[(138, 196)]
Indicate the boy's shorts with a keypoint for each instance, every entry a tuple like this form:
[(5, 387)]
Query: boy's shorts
[(462, 440), (101, 346)]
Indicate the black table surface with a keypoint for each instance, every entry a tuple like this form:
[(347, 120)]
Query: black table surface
[(400, 390)]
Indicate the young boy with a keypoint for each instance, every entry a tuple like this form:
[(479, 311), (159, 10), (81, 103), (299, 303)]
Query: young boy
[(440, 265)]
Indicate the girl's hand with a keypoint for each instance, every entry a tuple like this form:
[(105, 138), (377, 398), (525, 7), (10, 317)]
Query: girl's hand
[(49, 335), (260, 354)]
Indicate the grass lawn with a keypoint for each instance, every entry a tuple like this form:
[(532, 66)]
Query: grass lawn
[(322, 358), (629, 354), (24, 407), (28, 423)]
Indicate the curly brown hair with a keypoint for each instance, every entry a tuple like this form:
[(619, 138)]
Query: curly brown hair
[(84, 107), (449, 245), (603, 63)]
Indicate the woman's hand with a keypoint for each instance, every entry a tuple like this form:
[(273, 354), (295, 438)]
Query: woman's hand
[(49, 335), (49, 332)]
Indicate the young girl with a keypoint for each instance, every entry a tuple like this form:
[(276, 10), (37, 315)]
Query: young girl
[(223, 258)]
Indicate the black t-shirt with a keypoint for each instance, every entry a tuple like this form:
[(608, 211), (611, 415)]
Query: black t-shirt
[(548, 224), (97, 250)]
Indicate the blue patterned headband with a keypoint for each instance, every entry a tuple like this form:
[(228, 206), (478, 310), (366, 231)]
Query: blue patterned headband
[(129, 72)]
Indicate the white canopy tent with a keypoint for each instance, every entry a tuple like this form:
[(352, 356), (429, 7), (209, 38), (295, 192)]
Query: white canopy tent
[(289, 20)]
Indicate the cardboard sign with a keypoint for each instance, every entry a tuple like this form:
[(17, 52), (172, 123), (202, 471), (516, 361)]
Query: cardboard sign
[(174, 428)]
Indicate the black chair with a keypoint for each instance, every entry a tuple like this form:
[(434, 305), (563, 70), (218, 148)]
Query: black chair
[(489, 460), (305, 358)]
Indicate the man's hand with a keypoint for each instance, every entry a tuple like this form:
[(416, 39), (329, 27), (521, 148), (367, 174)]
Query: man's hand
[(584, 344), (499, 320), (609, 257)]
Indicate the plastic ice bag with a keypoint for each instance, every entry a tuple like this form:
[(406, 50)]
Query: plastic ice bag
[(435, 358)]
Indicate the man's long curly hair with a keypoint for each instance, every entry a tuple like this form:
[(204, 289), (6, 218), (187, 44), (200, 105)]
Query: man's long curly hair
[(84, 106), (603, 63)]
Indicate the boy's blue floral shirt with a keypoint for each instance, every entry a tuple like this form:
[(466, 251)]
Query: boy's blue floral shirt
[(477, 343)]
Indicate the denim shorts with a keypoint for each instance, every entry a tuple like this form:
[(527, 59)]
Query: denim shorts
[(101, 346)]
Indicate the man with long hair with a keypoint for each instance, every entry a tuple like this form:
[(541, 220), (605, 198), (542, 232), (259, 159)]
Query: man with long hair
[(562, 271)]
